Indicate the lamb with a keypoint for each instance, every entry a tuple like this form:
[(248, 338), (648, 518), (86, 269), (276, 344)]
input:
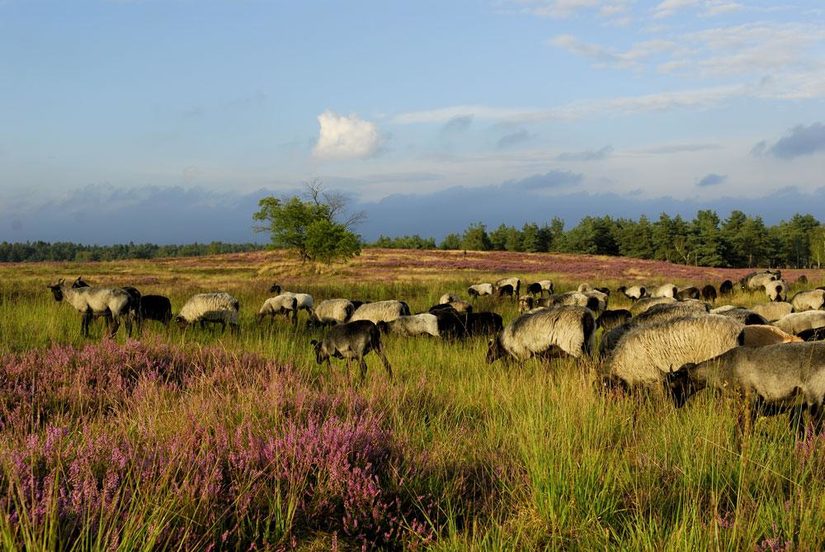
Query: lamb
[(331, 312), (726, 287), (381, 311), (515, 287), (709, 293), (280, 304), (412, 326), (776, 290), (787, 377), (773, 311), (479, 290), (559, 331), (665, 290), (645, 354), (216, 307), (610, 319), (634, 293), (808, 300), (797, 322), (112, 303), (691, 292), (538, 288), (352, 340), (156, 307)]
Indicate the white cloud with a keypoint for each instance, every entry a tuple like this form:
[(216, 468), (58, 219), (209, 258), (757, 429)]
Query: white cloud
[(566, 8), (346, 137), (669, 7)]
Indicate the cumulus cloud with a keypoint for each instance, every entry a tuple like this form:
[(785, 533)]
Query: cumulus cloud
[(711, 179), (587, 155), (346, 137), (800, 140), (515, 138)]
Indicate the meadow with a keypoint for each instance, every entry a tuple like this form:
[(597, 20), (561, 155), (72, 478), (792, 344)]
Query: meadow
[(199, 440)]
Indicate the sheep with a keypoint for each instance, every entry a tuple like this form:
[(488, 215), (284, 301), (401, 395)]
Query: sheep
[(584, 288), (280, 304), (559, 331), (538, 288), (726, 287), (514, 283), (381, 311), (786, 377), (572, 298), (776, 290), (304, 301), (451, 324), (331, 312), (132, 309), (601, 300), (691, 292), (526, 303), (351, 340), (275, 288), (802, 280), (645, 303), (757, 280), (412, 325), (610, 319), (645, 354), (479, 290), (709, 293), (506, 290), (156, 307), (665, 290), (814, 334), (634, 293), (216, 307), (808, 300), (797, 322), (669, 311), (773, 311), (745, 316), (112, 303), (483, 323), (447, 298), (461, 306)]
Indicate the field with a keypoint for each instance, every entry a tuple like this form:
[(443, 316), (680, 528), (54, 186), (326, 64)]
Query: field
[(202, 440)]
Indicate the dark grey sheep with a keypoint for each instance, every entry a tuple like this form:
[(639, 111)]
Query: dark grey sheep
[(352, 340)]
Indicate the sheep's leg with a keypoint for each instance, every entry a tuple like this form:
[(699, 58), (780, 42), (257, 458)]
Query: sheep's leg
[(295, 317), (113, 323), (363, 365), (223, 325), (380, 352)]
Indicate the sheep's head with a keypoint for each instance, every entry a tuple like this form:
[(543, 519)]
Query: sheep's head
[(525, 303), (680, 384), (57, 290), (495, 350), (275, 288), (181, 322), (320, 355)]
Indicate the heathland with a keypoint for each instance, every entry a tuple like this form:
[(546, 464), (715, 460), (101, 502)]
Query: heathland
[(202, 440)]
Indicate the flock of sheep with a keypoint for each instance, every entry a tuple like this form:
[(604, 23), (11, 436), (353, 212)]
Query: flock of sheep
[(670, 339)]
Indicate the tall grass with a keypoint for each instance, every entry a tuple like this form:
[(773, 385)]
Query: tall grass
[(197, 439)]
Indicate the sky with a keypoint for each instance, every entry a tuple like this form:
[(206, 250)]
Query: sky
[(166, 120)]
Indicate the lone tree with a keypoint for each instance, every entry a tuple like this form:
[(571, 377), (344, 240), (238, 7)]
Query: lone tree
[(310, 224)]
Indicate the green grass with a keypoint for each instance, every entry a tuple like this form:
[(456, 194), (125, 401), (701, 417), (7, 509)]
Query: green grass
[(524, 456)]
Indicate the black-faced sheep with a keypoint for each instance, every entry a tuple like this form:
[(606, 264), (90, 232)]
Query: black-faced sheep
[(726, 287), (381, 311), (776, 290), (480, 290), (514, 287), (156, 307), (691, 292), (808, 300), (218, 308), (709, 293), (132, 309), (787, 377), (634, 293), (352, 340), (284, 304), (538, 288), (330, 312), (90, 302), (814, 334), (412, 325), (547, 333), (447, 298), (505, 290), (665, 290), (757, 280)]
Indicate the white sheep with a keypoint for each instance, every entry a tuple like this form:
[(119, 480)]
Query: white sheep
[(447, 298), (798, 322), (634, 293), (776, 290), (218, 307), (479, 290), (381, 311), (538, 288), (645, 303), (412, 325), (331, 311), (665, 290), (280, 304), (112, 303), (773, 311), (545, 332), (813, 299)]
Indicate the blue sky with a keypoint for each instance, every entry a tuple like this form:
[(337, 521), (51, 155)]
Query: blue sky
[(109, 108)]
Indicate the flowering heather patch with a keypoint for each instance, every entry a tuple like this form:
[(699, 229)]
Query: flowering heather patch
[(78, 453)]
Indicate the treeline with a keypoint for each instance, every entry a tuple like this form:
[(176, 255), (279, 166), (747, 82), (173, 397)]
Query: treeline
[(67, 251), (738, 241)]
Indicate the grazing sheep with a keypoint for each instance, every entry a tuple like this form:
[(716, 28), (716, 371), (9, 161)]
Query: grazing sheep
[(219, 308), (808, 300), (538, 288), (726, 287), (483, 323), (132, 309), (304, 302), (479, 290), (645, 303), (506, 290), (745, 316), (669, 311), (634, 293), (280, 304), (757, 280), (645, 354), (665, 290), (560, 331), (352, 340), (601, 300), (447, 298), (776, 290), (456, 306), (381, 311), (111, 303), (156, 307), (412, 325), (514, 283), (688, 293), (451, 324), (814, 334), (709, 293), (610, 319), (584, 288), (773, 311), (330, 312), (573, 298), (797, 322), (786, 377)]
